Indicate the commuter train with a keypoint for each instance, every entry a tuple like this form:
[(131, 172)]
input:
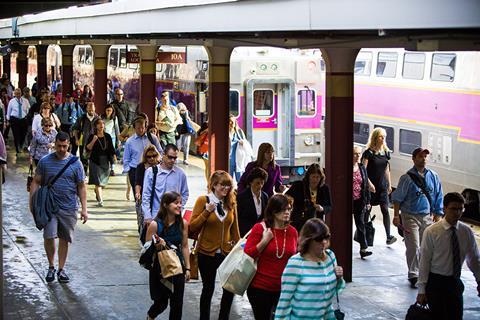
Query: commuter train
[(428, 99)]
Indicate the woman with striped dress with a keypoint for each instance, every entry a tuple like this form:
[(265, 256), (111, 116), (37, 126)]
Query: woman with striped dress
[(311, 278)]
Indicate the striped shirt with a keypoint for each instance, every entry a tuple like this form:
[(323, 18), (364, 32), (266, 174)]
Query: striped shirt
[(308, 289)]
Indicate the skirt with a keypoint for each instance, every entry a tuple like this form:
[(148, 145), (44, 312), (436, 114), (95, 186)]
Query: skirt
[(98, 174)]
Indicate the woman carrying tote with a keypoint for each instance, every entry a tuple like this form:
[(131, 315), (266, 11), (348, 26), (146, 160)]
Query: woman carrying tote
[(215, 217), (272, 241), (311, 278), (169, 228)]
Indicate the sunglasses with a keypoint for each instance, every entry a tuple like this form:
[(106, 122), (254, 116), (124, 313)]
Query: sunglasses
[(151, 156), (171, 157), (48, 125), (322, 237)]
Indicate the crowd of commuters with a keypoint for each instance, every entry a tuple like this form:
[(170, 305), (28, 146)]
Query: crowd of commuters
[(297, 274)]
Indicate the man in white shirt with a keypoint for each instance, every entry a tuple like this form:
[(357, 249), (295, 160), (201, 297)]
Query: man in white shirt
[(16, 117), (445, 246)]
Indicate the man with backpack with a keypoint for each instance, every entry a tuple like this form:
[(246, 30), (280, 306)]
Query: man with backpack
[(66, 176), (68, 113), (419, 196), (82, 129)]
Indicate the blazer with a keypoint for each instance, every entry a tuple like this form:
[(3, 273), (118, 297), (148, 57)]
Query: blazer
[(247, 213)]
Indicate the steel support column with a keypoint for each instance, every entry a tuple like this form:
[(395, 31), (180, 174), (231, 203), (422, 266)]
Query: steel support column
[(218, 107), (339, 150), (148, 63), (22, 67), (100, 55), (67, 69), (41, 66), (6, 65)]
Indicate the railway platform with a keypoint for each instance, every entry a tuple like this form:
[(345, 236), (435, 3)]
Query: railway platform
[(108, 283)]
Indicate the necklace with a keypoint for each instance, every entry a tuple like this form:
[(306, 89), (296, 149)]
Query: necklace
[(284, 242), (103, 145)]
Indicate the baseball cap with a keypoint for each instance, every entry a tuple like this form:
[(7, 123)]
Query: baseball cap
[(419, 150)]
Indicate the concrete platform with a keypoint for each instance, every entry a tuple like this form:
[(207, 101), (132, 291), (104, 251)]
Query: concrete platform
[(108, 283)]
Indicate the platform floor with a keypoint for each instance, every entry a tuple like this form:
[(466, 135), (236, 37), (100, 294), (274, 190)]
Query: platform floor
[(108, 283)]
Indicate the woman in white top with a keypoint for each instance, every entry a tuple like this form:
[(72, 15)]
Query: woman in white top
[(45, 112), (111, 127)]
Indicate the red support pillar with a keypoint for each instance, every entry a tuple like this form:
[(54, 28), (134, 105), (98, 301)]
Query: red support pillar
[(218, 107), (100, 55), (41, 66), (67, 69), (339, 150), (22, 67), (148, 62)]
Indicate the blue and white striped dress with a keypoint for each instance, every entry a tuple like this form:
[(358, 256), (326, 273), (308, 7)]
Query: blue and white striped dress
[(308, 289)]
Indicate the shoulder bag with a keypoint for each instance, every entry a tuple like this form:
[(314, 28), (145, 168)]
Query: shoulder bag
[(43, 204), (339, 314), (237, 270), (143, 231)]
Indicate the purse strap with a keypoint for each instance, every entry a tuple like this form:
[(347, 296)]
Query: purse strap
[(30, 171), (336, 290), (72, 160)]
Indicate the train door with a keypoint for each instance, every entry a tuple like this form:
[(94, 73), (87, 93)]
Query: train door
[(270, 116)]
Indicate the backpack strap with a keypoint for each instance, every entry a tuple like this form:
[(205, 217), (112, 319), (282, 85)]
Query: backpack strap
[(150, 138), (421, 184), (72, 160), (154, 182)]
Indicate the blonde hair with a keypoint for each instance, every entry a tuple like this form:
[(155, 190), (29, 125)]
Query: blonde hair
[(150, 148), (372, 140)]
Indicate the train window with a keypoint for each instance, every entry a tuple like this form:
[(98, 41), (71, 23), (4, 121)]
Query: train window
[(387, 64), (263, 103), (361, 131), (390, 135), (81, 55), (88, 55), (363, 64), (306, 106), (113, 60), (409, 140), (413, 66), (123, 58), (234, 102), (443, 67)]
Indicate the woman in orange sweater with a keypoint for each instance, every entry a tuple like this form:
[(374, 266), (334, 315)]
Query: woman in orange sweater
[(215, 217)]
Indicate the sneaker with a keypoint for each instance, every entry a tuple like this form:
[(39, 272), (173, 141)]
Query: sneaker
[(62, 276), (100, 203), (112, 173), (185, 162), (365, 253), (50, 274), (391, 240), (413, 282)]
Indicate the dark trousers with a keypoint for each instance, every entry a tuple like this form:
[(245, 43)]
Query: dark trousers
[(19, 129), (445, 297), (131, 177), (208, 266), (263, 303), (83, 159), (360, 216), (175, 297)]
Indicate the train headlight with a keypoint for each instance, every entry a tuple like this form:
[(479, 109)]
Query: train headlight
[(309, 140)]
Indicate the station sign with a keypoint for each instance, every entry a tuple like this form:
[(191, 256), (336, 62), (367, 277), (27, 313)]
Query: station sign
[(162, 57)]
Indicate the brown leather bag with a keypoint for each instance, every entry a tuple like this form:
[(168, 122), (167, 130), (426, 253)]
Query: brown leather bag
[(194, 261)]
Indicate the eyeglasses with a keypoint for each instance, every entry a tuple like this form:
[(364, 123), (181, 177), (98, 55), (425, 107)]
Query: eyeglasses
[(151, 156), (225, 186), (171, 157), (322, 237)]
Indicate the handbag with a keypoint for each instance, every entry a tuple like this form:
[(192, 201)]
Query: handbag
[(169, 261), (146, 256), (418, 312), (193, 262), (43, 204), (339, 314), (369, 232), (29, 178), (238, 269)]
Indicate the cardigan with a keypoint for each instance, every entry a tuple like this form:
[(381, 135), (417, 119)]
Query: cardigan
[(214, 234), (302, 205)]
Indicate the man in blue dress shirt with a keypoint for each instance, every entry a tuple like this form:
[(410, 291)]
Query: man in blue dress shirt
[(419, 207), (134, 147)]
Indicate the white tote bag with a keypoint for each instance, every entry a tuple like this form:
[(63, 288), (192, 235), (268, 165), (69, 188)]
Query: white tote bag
[(237, 269)]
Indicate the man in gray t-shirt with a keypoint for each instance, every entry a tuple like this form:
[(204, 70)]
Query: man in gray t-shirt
[(66, 190)]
